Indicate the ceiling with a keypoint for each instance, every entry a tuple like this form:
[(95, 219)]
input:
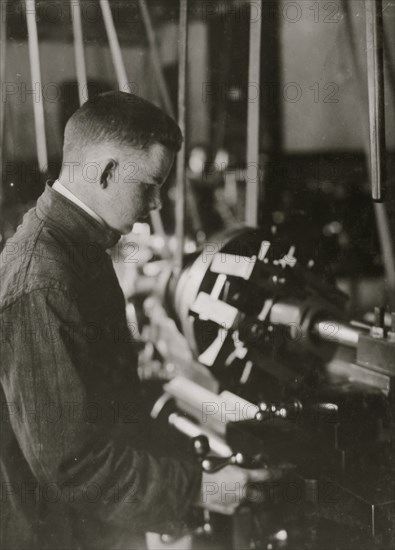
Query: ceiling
[(54, 18)]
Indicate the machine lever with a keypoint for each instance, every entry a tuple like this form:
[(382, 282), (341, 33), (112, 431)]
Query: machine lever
[(212, 464)]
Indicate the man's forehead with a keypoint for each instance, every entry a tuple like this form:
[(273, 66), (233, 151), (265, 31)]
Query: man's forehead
[(154, 153)]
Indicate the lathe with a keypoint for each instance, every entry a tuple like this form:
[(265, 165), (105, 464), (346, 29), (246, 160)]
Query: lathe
[(278, 376)]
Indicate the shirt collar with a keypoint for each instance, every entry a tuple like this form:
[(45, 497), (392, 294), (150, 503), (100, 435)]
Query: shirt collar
[(57, 186), (75, 221)]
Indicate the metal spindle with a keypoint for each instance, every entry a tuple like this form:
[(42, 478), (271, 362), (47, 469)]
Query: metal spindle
[(157, 65), (253, 120), (79, 53), (181, 172), (375, 66), (35, 69), (3, 54)]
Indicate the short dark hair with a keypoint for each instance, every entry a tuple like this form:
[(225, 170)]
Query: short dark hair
[(121, 118)]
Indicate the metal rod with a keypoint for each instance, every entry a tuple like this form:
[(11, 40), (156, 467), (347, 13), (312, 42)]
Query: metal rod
[(123, 86), (115, 47), (220, 127), (375, 67), (3, 60), (253, 120), (181, 172), (156, 63), (79, 53), (38, 106)]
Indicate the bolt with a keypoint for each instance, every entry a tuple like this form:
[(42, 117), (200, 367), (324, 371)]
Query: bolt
[(391, 333), (379, 317), (377, 331)]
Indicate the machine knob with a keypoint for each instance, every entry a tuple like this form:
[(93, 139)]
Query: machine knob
[(280, 410), (201, 446)]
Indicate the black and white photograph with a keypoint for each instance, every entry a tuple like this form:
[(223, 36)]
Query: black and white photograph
[(197, 274)]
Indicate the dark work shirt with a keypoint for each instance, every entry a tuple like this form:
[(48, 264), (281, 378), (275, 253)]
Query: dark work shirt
[(74, 473)]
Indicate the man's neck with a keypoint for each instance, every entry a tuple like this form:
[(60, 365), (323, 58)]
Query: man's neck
[(71, 196)]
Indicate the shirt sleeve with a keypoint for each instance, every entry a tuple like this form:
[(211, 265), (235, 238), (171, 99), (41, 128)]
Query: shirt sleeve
[(45, 396)]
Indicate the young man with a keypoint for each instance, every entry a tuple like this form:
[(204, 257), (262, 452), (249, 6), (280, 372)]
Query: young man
[(73, 471)]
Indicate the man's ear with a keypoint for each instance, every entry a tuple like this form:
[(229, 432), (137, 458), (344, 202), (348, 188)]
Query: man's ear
[(109, 173)]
